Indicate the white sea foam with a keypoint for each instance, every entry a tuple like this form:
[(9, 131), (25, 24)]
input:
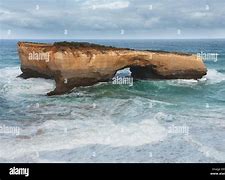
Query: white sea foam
[(133, 134), (59, 134), (183, 82), (206, 150), (12, 87), (62, 134), (123, 72), (213, 76)]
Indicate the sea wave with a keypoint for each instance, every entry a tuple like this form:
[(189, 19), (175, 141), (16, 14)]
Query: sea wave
[(213, 76), (13, 87), (61, 134), (206, 150)]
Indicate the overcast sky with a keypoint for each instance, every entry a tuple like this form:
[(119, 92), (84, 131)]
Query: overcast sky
[(108, 19)]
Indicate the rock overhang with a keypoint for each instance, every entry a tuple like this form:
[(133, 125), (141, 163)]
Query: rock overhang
[(85, 64)]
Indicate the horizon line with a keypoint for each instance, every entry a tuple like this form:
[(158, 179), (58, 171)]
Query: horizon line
[(111, 38)]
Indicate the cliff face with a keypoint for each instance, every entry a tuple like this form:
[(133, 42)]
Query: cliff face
[(83, 64)]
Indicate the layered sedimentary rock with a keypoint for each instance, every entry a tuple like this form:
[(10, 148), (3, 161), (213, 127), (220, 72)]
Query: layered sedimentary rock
[(84, 64)]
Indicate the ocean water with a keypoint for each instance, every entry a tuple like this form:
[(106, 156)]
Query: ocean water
[(151, 121)]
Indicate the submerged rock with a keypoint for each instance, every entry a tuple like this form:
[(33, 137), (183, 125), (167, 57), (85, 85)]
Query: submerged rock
[(83, 64)]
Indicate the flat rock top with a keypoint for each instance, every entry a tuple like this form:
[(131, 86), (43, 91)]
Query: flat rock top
[(91, 46), (86, 45), (76, 45)]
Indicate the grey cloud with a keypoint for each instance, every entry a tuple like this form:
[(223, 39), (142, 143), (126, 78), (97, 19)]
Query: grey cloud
[(106, 17)]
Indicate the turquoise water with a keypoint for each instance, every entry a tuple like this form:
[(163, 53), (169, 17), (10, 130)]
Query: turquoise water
[(151, 121)]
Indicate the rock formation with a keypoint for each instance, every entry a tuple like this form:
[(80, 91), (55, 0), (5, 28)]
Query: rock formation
[(83, 64)]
